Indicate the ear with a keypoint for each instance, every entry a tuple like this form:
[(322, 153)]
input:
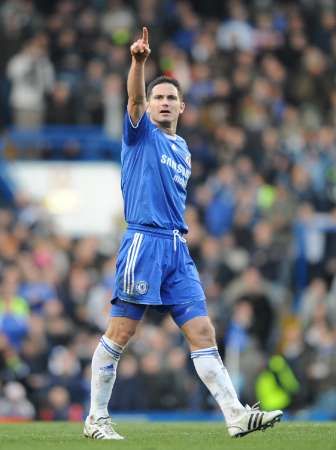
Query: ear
[(182, 107)]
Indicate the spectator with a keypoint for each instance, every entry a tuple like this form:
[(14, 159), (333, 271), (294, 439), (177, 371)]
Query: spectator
[(261, 213), (113, 105), (32, 75), (90, 94), (14, 314), (60, 105), (236, 33), (14, 403)]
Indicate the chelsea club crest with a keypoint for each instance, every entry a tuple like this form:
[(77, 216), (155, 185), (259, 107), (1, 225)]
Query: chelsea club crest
[(188, 160), (141, 287)]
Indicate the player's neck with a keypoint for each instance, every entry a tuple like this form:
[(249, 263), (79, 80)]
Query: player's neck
[(168, 128)]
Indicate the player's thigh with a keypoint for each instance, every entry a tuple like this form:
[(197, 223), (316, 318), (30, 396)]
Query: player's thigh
[(182, 284), (199, 333), (124, 320), (138, 274)]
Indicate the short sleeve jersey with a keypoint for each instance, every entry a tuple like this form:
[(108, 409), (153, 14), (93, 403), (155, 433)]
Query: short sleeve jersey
[(154, 175)]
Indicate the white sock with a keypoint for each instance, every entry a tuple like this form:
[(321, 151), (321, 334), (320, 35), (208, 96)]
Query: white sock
[(214, 375), (104, 370)]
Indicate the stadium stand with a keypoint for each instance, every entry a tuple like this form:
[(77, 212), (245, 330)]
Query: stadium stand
[(259, 82)]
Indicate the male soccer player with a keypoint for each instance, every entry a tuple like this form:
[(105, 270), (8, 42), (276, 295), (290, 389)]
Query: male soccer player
[(154, 266)]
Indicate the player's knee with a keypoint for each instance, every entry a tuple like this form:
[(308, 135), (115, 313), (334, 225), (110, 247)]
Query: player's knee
[(120, 333), (207, 335), (124, 335), (202, 336), (121, 337)]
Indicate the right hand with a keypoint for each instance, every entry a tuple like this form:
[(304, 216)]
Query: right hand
[(140, 49)]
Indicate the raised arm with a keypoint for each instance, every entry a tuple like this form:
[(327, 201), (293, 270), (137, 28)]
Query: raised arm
[(137, 103)]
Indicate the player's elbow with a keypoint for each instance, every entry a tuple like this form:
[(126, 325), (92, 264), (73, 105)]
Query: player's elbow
[(136, 100), (135, 110)]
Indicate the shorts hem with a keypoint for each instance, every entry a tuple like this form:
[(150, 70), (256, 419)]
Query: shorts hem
[(147, 302), (135, 302), (190, 300)]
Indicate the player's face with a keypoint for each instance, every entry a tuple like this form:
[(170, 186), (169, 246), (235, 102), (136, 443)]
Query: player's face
[(164, 104)]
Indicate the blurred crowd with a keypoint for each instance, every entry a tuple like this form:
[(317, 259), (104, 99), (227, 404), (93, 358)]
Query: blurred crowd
[(260, 87)]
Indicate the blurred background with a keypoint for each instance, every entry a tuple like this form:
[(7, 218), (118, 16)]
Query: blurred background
[(260, 87)]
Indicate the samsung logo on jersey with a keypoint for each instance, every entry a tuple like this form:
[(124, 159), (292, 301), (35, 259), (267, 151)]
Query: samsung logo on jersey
[(178, 168)]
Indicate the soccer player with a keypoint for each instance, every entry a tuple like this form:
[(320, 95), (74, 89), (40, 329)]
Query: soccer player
[(154, 267)]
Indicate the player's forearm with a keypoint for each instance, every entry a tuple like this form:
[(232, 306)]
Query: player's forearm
[(136, 90)]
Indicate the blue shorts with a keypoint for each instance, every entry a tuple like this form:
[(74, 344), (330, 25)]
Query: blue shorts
[(180, 313), (154, 268)]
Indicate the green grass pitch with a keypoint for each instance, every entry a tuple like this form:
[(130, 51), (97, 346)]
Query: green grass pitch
[(168, 436)]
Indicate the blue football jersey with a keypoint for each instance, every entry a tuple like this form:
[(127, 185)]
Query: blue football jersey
[(155, 168)]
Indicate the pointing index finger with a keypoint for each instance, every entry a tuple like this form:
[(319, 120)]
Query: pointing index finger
[(145, 35)]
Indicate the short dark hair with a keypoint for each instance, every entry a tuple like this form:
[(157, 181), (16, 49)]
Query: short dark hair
[(161, 80)]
